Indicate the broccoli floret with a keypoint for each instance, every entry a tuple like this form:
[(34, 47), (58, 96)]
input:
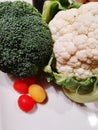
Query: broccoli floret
[(25, 40)]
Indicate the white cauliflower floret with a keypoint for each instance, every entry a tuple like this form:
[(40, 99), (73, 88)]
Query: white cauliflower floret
[(75, 35), (60, 22)]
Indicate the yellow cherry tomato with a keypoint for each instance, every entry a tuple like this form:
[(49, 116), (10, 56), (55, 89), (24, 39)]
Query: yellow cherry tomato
[(37, 93)]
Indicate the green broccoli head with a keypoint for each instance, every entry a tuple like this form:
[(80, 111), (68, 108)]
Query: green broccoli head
[(25, 40)]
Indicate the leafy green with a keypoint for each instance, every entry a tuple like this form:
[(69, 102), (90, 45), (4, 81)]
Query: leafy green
[(81, 87), (51, 7)]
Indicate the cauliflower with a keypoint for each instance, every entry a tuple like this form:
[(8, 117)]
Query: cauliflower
[(75, 35)]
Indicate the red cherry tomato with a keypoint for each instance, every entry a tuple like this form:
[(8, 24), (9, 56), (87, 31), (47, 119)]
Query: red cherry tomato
[(26, 103), (20, 87), (29, 81)]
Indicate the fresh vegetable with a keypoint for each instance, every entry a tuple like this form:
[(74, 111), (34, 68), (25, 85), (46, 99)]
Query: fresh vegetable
[(29, 81), (26, 103), (25, 39), (37, 93), (51, 7), (74, 63), (20, 87)]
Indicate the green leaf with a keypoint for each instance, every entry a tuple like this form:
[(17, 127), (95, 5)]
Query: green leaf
[(64, 3), (50, 8), (87, 85), (81, 87), (75, 5), (70, 83)]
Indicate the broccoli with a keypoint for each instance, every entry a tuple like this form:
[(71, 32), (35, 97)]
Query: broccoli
[(25, 39)]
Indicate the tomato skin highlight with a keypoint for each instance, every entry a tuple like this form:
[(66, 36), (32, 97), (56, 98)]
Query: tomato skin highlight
[(25, 103), (20, 87)]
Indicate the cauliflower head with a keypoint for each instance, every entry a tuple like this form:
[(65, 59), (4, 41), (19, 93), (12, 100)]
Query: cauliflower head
[(75, 36), (74, 63)]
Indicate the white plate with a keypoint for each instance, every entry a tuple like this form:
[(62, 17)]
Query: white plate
[(58, 113)]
